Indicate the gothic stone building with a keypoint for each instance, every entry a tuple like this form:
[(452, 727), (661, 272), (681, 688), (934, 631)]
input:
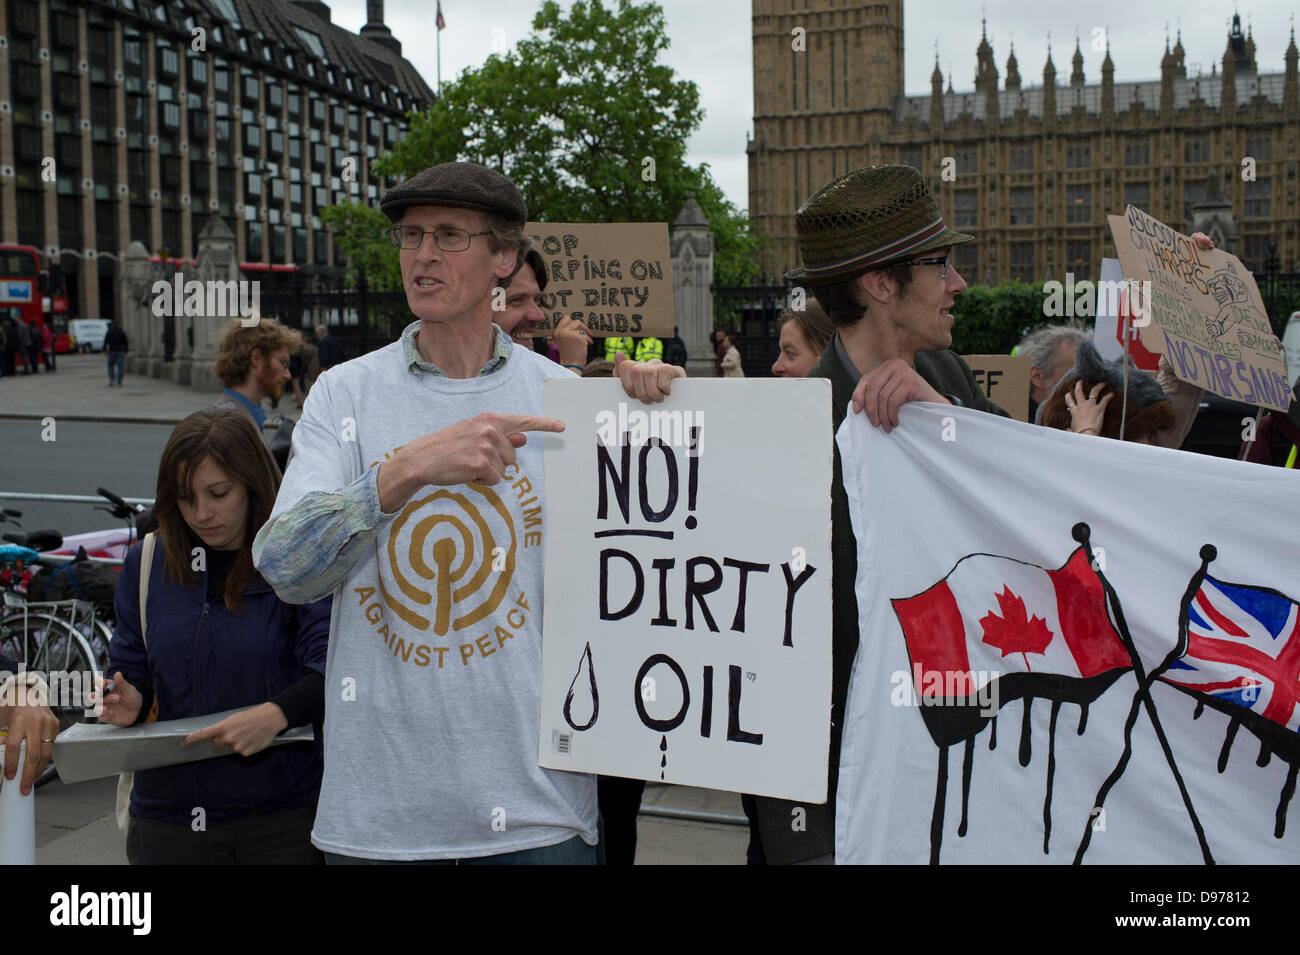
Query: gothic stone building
[(1037, 168)]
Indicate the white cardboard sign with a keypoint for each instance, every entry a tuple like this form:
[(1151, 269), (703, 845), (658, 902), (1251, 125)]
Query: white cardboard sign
[(687, 620)]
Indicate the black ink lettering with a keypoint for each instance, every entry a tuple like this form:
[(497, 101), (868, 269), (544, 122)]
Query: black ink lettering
[(706, 716), (663, 565), (670, 463), (661, 726), (734, 733), (620, 479), (792, 585), (693, 476), (746, 568), (635, 602), (698, 589)]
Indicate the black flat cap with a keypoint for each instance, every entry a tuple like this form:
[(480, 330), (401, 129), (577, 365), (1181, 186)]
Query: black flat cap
[(466, 185)]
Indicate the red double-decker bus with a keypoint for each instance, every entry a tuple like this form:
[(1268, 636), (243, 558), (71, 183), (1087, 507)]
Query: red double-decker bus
[(33, 291)]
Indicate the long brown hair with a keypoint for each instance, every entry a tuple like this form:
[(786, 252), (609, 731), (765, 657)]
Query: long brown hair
[(231, 440)]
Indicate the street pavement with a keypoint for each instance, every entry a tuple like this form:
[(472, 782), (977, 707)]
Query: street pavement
[(75, 824), (79, 391)]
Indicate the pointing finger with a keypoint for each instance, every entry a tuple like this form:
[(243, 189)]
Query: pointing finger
[(514, 423)]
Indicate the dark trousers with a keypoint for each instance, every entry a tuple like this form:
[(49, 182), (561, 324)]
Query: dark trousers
[(620, 803), (270, 838), (49, 360), (116, 359)]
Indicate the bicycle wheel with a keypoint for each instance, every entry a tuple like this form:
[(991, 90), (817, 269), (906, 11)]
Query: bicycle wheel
[(65, 656)]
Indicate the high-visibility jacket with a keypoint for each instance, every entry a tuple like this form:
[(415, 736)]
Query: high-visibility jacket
[(615, 345), (650, 348)]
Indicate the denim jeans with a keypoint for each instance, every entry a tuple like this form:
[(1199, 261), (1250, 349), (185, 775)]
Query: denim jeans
[(572, 852), (116, 359)]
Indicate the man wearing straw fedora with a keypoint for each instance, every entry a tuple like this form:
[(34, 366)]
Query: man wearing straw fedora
[(876, 255)]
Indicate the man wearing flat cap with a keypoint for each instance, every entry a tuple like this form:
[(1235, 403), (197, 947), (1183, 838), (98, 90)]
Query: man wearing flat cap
[(415, 496), (876, 255)]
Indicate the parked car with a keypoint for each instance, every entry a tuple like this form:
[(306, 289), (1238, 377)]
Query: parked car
[(88, 333)]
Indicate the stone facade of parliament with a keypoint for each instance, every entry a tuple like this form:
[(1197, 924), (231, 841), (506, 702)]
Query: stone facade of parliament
[(1037, 167)]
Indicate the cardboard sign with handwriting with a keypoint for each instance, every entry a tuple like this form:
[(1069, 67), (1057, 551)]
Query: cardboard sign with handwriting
[(1004, 380), (616, 277), (1202, 310)]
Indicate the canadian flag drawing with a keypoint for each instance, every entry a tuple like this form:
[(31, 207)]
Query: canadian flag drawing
[(1039, 633)]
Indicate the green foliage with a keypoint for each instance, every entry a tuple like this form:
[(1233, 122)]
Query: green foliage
[(359, 232), (571, 116), (991, 320)]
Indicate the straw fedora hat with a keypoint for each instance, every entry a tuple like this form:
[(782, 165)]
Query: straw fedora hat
[(866, 219)]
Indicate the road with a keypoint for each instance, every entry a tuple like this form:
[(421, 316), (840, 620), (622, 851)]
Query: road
[(83, 455)]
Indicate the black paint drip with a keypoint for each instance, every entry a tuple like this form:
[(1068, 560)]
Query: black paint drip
[(966, 765), (1083, 718), (1051, 774), (663, 748), (1227, 744), (1265, 754), (993, 733), (1200, 708), (940, 797), (1288, 790), (595, 697), (1026, 734)]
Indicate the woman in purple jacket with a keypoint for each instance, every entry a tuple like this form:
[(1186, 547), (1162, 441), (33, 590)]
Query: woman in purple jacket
[(216, 637)]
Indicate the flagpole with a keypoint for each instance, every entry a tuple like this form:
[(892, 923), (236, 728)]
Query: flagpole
[(439, 33)]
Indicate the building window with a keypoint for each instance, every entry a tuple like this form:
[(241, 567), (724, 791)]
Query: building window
[(252, 186), (198, 71), (1078, 156), (172, 115), (967, 160), (274, 95), (1137, 152), (168, 60), (318, 111), (1022, 206), (1138, 194), (1192, 193), (1078, 204), (910, 157), (1254, 251), (1259, 147), (966, 208), (1022, 158), (251, 89), (252, 137), (253, 247), (1022, 261), (966, 260), (1257, 199), (1078, 259), (221, 80), (1196, 149)]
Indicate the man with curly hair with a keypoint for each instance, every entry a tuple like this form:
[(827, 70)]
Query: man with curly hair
[(253, 363)]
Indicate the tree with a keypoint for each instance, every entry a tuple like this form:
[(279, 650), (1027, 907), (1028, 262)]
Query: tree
[(586, 122)]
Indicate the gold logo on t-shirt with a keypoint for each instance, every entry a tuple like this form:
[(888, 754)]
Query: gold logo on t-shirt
[(443, 555)]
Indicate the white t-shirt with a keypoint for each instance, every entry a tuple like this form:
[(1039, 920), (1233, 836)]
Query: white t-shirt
[(433, 681)]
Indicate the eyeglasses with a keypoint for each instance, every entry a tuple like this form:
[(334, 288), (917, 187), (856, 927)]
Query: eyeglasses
[(939, 260), (411, 237)]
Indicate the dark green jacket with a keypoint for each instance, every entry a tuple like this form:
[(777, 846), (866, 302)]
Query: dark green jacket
[(951, 377)]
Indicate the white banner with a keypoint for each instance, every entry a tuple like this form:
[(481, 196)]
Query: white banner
[(687, 605), (1017, 586)]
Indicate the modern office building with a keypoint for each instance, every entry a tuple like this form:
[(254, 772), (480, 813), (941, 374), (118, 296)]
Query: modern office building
[(127, 120)]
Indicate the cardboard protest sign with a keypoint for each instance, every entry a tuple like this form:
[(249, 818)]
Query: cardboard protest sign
[(616, 277), (1004, 380), (1202, 310), (687, 627)]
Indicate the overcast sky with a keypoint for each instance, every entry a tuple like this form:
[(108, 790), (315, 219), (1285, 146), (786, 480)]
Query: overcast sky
[(711, 45)]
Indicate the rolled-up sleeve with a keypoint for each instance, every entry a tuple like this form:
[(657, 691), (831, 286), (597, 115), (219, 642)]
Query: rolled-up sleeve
[(325, 514)]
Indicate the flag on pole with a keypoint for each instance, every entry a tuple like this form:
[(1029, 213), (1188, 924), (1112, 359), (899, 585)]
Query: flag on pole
[(442, 24)]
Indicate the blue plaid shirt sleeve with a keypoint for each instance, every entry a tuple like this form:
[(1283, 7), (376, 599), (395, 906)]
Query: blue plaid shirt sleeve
[(325, 515)]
